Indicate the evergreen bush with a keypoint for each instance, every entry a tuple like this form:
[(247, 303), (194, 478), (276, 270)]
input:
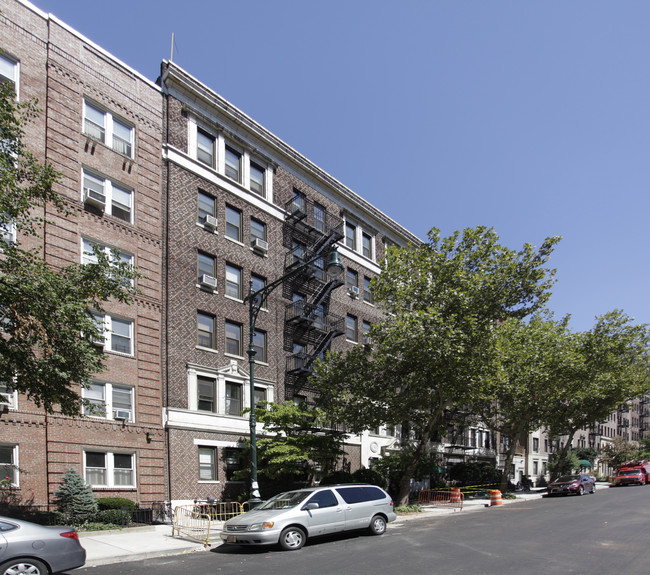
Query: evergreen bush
[(74, 497), (115, 503)]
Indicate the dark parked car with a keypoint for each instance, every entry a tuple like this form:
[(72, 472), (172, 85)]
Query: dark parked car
[(572, 484), (30, 549)]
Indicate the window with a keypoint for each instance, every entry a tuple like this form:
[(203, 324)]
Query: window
[(259, 345), (258, 283), (207, 270), (9, 71), (233, 398), (351, 328), (233, 459), (108, 469), (8, 398), (206, 331), (366, 245), (233, 281), (109, 401), (536, 444), (207, 210), (233, 338), (233, 164), (7, 234), (118, 333), (365, 328), (324, 499), (205, 148), (233, 224), (260, 395), (367, 292), (115, 256), (207, 463), (103, 126), (352, 279), (319, 217), (298, 202), (258, 230), (207, 393), (351, 236), (108, 196), (9, 463), (257, 179)]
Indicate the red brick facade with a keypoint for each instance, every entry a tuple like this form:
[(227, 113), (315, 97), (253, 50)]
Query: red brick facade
[(62, 69)]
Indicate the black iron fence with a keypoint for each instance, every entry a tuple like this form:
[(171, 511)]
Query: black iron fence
[(156, 513)]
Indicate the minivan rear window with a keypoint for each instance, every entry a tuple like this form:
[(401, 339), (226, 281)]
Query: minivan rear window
[(359, 494)]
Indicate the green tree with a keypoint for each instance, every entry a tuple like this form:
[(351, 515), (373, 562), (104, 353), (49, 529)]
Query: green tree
[(614, 369), (74, 497), (533, 357), (47, 348), (564, 465), (296, 443), (435, 349), (618, 451)]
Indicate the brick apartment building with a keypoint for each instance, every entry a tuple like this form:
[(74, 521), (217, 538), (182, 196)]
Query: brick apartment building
[(101, 127), (206, 203), (243, 207)]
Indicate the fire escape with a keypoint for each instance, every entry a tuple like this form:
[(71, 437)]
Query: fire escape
[(309, 233)]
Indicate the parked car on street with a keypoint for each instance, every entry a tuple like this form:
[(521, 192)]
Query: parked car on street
[(290, 518), (572, 484), (30, 549), (632, 473)]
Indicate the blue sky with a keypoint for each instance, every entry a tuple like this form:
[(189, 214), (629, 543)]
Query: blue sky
[(529, 117)]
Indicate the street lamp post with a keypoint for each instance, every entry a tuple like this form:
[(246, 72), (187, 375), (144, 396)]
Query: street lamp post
[(255, 302)]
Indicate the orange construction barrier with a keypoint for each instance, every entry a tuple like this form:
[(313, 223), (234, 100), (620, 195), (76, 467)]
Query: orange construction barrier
[(452, 498), (495, 498)]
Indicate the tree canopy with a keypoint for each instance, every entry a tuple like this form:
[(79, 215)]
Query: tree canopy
[(48, 332), (436, 346)]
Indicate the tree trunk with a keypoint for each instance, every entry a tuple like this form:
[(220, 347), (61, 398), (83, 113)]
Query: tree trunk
[(510, 455), (562, 455), (409, 471)]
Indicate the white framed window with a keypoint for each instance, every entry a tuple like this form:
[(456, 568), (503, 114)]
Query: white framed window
[(259, 344), (7, 234), (233, 223), (233, 281), (233, 338), (207, 463), (207, 211), (118, 333), (115, 255), (351, 236), (367, 245), (233, 163), (109, 469), (206, 334), (103, 126), (109, 401), (351, 327), (9, 71), (9, 463), (234, 404), (205, 148), (207, 393), (256, 177), (110, 197), (8, 398)]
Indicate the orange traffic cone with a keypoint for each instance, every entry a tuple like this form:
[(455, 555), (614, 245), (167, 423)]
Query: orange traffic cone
[(495, 498)]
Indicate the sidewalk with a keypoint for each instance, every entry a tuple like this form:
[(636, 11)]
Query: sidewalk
[(133, 544)]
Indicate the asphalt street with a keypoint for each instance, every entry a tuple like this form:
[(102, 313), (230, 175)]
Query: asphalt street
[(606, 532)]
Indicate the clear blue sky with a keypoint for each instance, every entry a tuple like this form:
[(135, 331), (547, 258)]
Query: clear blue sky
[(529, 117)]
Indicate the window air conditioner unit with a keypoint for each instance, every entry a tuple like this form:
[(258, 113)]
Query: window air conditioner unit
[(211, 222), (94, 198), (260, 245), (6, 398), (208, 281), (353, 292), (121, 414)]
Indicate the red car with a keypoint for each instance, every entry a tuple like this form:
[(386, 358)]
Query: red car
[(572, 484)]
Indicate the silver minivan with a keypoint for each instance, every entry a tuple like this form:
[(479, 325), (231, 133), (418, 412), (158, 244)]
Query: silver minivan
[(290, 518)]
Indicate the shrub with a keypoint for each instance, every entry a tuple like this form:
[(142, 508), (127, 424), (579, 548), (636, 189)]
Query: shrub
[(370, 476), (74, 497), (337, 477), (114, 516), (115, 503)]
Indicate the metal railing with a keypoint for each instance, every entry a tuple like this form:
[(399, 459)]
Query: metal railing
[(452, 498)]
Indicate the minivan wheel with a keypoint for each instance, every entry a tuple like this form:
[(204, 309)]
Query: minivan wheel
[(377, 525), (23, 567), (292, 538)]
